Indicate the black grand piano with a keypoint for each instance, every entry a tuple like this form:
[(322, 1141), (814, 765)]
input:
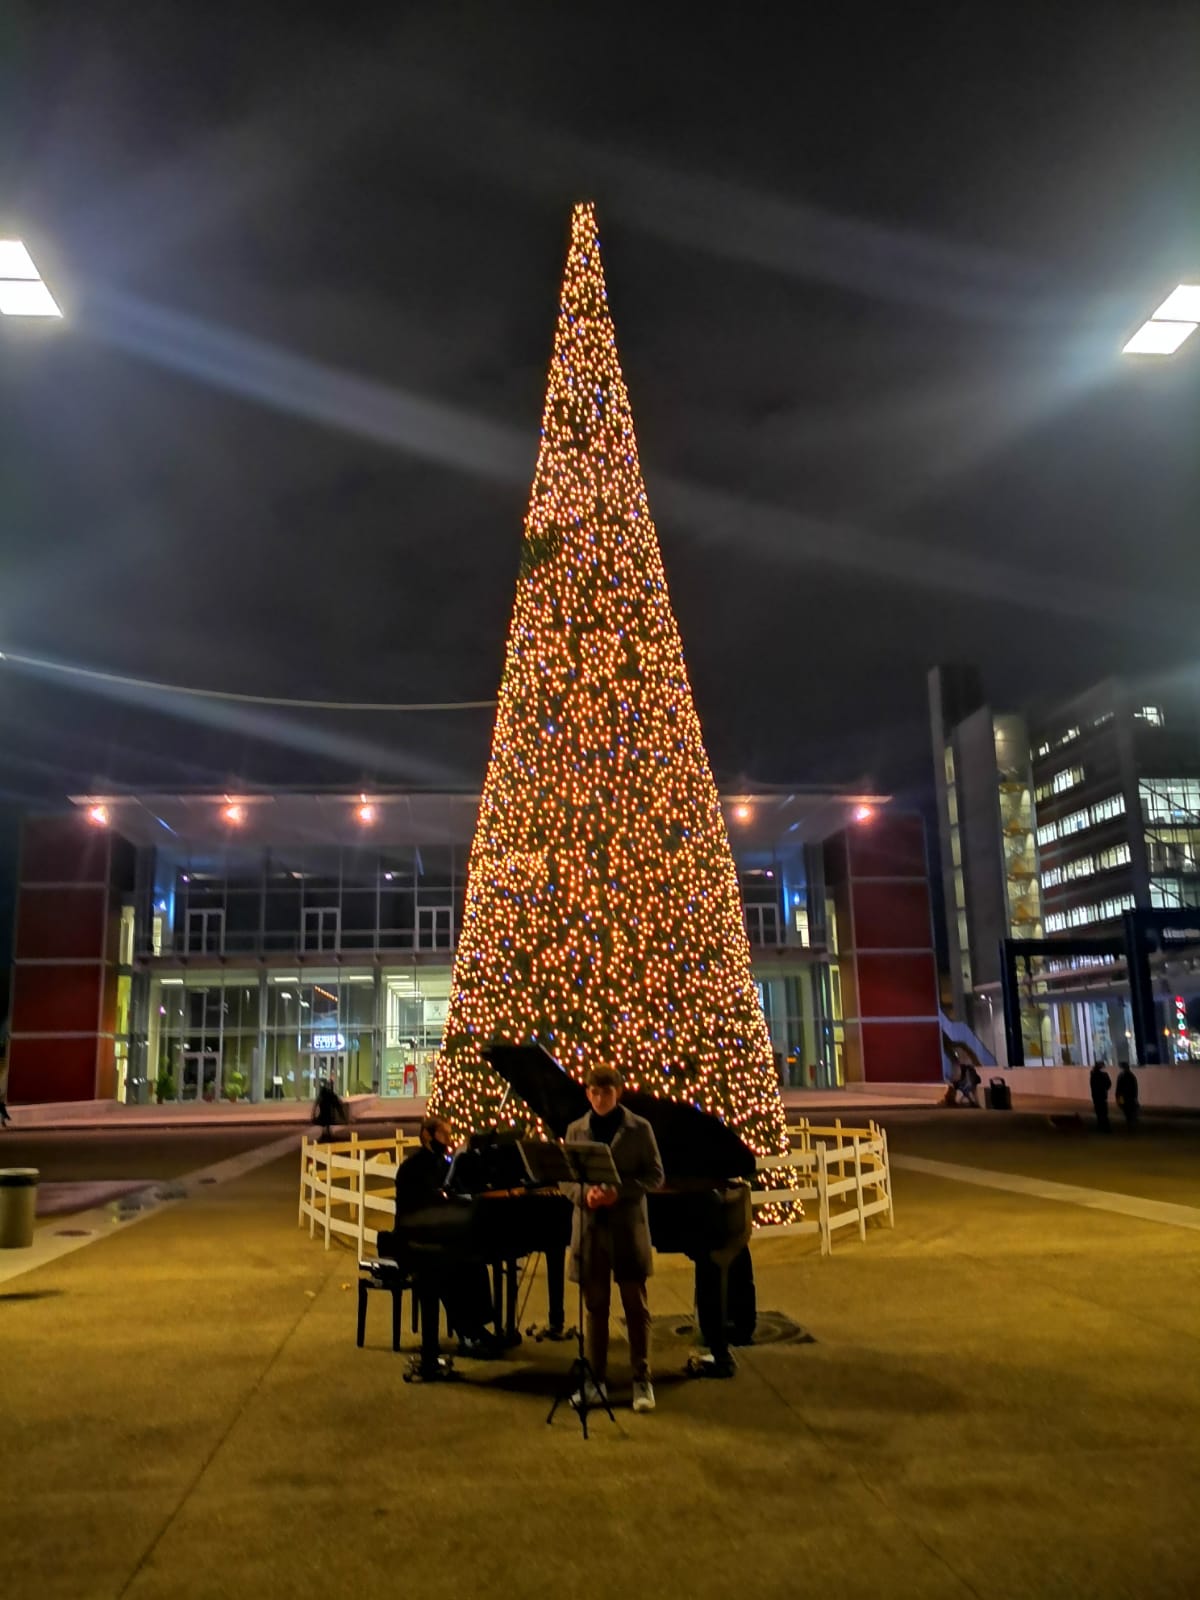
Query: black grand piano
[(495, 1216)]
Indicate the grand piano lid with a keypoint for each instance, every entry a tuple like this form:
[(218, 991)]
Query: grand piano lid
[(692, 1143), (546, 1089)]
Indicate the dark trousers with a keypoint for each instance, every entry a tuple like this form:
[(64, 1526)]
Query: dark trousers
[(726, 1304), (597, 1298), (711, 1310), (1100, 1107), (463, 1287)]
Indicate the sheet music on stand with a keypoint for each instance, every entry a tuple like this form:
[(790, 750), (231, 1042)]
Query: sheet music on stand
[(585, 1164)]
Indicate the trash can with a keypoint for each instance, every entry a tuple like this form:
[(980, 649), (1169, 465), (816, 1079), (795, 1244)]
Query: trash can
[(18, 1203), (998, 1096)]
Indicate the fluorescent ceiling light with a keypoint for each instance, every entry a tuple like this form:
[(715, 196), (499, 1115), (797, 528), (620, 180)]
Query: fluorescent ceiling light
[(23, 297), (1158, 338), (1181, 305), (15, 260)]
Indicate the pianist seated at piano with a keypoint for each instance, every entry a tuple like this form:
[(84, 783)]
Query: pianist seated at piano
[(610, 1237), (463, 1285)]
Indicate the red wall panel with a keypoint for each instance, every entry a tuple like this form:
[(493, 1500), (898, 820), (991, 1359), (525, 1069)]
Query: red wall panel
[(902, 1052), (106, 1071), (51, 1069), (897, 985), (60, 922), (56, 999), (63, 850), (891, 845), (891, 916)]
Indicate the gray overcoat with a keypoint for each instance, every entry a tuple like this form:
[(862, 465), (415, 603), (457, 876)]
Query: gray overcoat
[(636, 1158)]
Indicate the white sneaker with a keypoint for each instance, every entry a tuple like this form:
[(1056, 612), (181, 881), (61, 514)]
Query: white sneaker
[(594, 1394), (643, 1396)]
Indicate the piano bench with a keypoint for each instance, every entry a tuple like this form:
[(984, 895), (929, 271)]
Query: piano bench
[(388, 1275)]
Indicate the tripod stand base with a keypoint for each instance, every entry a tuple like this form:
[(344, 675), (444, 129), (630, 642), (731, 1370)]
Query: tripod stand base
[(582, 1381), (555, 1334), (420, 1371)]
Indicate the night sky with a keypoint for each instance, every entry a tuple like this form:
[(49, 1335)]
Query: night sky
[(870, 269)]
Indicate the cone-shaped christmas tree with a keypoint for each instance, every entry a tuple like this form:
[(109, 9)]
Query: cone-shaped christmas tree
[(602, 912)]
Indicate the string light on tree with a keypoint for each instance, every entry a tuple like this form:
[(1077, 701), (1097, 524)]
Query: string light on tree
[(602, 915)]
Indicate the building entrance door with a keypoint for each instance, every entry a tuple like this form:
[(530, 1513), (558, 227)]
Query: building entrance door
[(201, 1075), (330, 1065)]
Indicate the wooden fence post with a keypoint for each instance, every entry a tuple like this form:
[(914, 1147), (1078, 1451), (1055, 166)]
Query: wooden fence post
[(362, 1202), (887, 1179), (328, 1195), (858, 1190)]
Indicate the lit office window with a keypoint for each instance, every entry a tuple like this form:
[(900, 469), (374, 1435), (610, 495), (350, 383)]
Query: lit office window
[(1095, 911), (1169, 799), (1087, 817), (1068, 778), (1151, 714)]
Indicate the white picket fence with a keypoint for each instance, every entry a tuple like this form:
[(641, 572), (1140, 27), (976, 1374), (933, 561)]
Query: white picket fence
[(348, 1188), (844, 1172)]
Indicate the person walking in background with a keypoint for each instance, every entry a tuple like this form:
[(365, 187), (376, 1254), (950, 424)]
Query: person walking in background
[(1127, 1095), (328, 1110), (1100, 1083)]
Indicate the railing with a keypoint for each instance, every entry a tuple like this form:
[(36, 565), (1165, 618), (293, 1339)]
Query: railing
[(337, 1191), (844, 1171)]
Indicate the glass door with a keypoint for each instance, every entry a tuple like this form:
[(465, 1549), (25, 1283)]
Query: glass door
[(330, 1067), (201, 1075)]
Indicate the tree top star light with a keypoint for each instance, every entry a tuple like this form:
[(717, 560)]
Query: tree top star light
[(602, 913)]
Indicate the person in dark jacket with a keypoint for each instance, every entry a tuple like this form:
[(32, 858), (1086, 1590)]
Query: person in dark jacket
[(610, 1237), (1100, 1083), (1127, 1095), (463, 1286), (328, 1109)]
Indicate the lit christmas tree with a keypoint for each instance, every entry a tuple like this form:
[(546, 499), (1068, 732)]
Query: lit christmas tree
[(602, 912)]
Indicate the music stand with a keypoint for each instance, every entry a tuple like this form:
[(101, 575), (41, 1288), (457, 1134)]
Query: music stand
[(582, 1165)]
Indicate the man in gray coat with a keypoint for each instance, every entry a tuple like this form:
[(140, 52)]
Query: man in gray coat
[(610, 1235)]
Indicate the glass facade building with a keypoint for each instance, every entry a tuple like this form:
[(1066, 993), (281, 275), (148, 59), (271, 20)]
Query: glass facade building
[(194, 947), (201, 947), (1103, 819)]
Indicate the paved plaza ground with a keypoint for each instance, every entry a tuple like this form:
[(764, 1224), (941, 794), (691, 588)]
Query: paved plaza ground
[(1003, 1398)]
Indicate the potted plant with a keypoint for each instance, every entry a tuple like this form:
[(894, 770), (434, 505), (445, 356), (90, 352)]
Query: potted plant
[(164, 1085), (235, 1084)]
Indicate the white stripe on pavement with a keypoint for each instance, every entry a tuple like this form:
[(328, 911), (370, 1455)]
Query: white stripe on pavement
[(1126, 1205), (62, 1234)]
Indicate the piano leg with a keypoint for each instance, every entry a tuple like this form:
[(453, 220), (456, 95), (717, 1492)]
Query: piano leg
[(497, 1287), (512, 1334), (556, 1287)]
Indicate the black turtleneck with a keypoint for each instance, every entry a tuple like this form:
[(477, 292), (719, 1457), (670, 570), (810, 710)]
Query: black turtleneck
[(604, 1129)]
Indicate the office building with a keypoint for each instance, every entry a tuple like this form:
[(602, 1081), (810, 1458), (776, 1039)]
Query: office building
[(1086, 820), (205, 946)]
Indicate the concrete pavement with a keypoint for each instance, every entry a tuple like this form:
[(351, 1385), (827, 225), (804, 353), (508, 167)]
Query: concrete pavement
[(1003, 1399)]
